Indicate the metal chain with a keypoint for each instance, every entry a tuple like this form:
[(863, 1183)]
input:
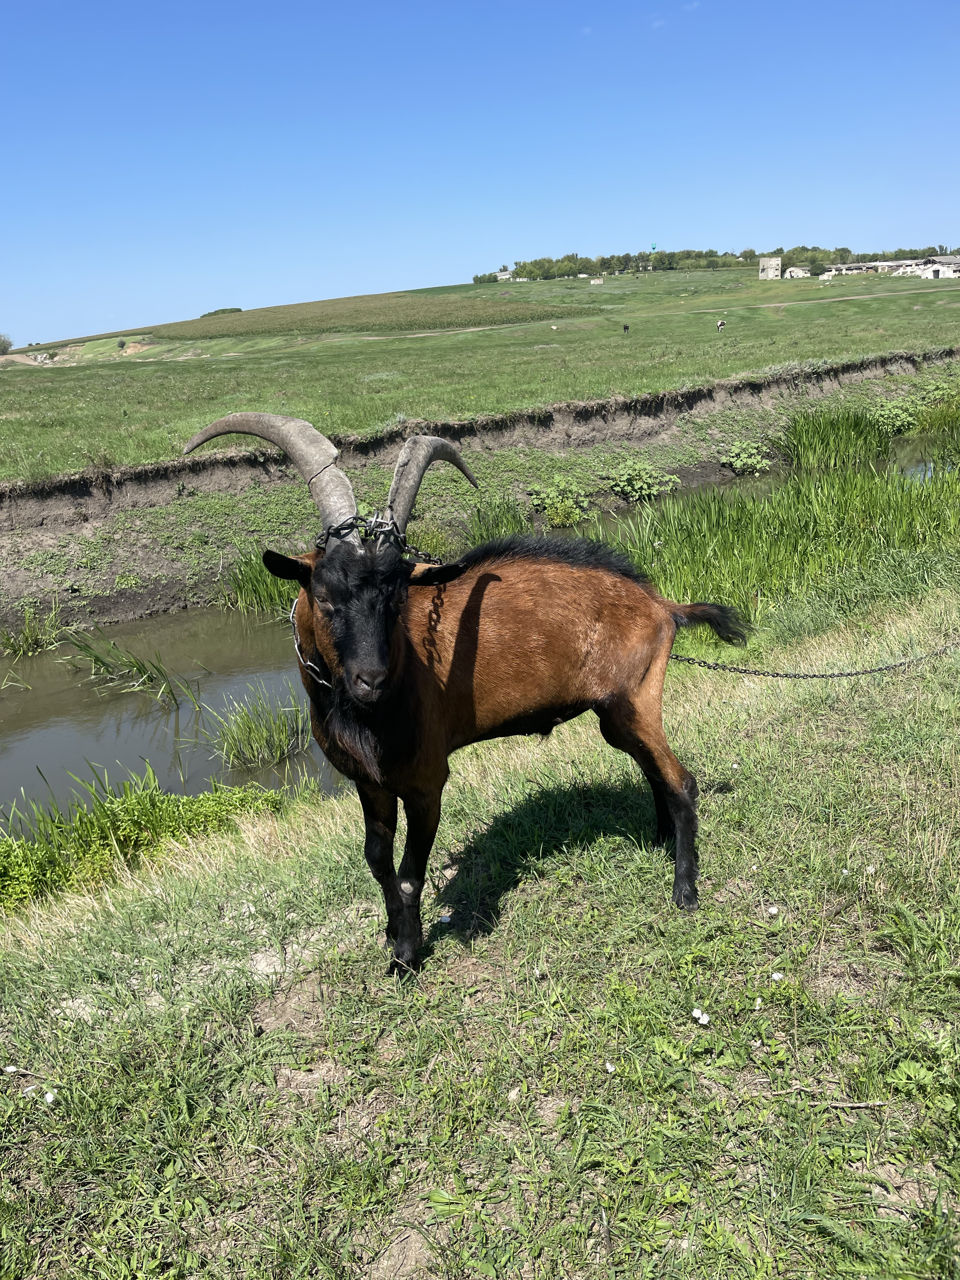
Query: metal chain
[(818, 675), (376, 527)]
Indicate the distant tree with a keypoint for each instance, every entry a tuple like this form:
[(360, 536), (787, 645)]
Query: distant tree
[(488, 277), (5, 344), (504, 267), (748, 255)]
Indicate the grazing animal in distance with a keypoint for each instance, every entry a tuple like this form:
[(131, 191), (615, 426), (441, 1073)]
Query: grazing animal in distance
[(404, 662), (721, 325), (626, 328)]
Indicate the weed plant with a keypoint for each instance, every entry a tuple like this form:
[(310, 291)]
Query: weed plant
[(562, 502), (256, 731), (47, 849), (637, 479), (41, 628), (746, 458)]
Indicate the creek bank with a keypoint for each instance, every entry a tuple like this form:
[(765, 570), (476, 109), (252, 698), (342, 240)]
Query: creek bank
[(119, 576)]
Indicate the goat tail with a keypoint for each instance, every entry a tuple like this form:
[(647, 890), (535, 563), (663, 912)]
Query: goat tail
[(724, 621)]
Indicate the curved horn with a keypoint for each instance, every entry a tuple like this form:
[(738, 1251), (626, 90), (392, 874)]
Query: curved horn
[(310, 452), (415, 456)]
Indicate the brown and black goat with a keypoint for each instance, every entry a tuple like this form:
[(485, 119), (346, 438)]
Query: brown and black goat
[(404, 663)]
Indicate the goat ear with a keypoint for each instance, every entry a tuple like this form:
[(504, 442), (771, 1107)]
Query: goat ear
[(293, 568), (434, 575)]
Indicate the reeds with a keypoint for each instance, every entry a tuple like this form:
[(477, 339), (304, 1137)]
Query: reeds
[(257, 731), (251, 588), (830, 518), (112, 665)]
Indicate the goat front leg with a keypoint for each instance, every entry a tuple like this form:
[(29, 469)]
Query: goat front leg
[(380, 817), (423, 818)]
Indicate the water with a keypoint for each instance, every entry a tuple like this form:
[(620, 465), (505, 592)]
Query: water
[(55, 721)]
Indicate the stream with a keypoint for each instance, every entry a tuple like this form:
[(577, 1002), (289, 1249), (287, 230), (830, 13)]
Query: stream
[(56, 721)]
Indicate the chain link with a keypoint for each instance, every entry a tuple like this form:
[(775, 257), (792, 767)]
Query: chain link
[(376, 527), (818, 675)]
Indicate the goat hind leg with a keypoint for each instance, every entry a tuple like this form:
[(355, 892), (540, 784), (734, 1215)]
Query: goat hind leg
[(639, 732)]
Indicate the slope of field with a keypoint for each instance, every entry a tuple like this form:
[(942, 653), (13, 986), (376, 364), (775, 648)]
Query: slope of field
[(125, 407)]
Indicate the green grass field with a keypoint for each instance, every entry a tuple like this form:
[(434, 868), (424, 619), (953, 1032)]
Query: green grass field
[(236, 1089), (114, 408)]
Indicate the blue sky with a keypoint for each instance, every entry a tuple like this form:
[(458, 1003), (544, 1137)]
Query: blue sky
[(165, 160)]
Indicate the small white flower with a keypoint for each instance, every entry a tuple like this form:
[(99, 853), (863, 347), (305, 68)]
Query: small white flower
[(755, 1044), (776, 977), (734, 766), (697, 1014), (757, 1004), (50, 1095), (704, 1019), (11, 1069), (610, 1068), (871, 869), (845, 871), (754, 867), (773, 911)]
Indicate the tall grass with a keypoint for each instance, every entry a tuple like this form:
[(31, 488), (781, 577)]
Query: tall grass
[(49, 848), (256, 731), (111, 664), (826, 521), (835, 436), (251, 588)]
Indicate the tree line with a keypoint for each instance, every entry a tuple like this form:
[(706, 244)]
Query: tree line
[(817, 258)]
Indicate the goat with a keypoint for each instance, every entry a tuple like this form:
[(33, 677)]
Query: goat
[(404, 663), (721, 325), (626, 328)]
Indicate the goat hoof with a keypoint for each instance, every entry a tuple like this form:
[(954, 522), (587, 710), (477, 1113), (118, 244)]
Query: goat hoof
[(401, 967), (686, 898)]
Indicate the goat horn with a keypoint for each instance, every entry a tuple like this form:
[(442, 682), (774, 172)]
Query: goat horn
[(311, 453), (415, 456)]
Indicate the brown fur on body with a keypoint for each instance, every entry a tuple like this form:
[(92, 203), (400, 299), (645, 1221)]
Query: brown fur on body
[(516, 638)]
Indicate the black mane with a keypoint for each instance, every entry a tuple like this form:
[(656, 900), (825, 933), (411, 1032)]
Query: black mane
[(579, 553)]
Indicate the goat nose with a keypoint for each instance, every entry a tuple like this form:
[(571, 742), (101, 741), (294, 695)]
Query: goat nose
[(370, 680)]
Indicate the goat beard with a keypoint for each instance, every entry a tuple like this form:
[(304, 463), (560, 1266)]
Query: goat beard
[(351, 728)]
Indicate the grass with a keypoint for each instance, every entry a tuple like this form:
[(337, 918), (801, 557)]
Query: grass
[(41, 627), (140, 408), (236, 1089), (47, 849), (111, 664), (251, 588), (842, 526), (256, 731)]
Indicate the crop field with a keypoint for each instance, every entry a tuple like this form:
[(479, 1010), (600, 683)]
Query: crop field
[(114, 408)]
